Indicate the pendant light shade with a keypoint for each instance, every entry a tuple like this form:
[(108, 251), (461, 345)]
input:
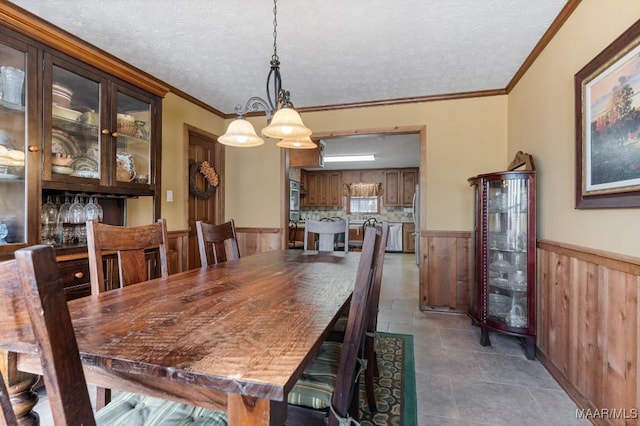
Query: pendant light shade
[(286, 124), (240, 133), (297, 143)]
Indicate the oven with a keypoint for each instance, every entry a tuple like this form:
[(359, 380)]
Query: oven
[(294, 200)]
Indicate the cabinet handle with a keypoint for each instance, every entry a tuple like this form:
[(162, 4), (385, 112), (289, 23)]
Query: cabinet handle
[(34, 148), (115, 134), (105, 131), (78, 275)]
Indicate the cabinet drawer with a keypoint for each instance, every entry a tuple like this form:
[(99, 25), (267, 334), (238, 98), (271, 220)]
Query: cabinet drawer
[(75, 278)]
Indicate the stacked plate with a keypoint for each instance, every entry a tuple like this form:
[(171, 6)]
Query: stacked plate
[(62, 96)]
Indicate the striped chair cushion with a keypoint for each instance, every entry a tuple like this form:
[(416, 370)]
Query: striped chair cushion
[(315, 388), (133, 409), (341, 324)]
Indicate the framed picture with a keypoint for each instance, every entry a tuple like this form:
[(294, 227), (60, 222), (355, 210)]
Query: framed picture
[(607, 103)]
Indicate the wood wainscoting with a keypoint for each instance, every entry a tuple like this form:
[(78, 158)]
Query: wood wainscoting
[(257, 240), (177, 251), (445, 270), (250, 241), (587, 326)]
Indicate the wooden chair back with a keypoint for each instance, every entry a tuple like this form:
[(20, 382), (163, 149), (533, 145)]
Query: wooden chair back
[(344, 399), (36, 320), (132, 246), (327, 231), (134, 262), (346, 395), (212, 240)]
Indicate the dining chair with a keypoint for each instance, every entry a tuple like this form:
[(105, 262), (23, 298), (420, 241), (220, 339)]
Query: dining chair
[(131, 245), (293, 242), (5, 404), (39, 324), (213, 240), (327, 392), (329, 234), (337, 334), (133, 264)]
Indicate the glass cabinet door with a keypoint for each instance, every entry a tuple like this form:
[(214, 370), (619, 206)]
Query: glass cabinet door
[(507, 251), (13, 136), (73, 104), (133, 153)]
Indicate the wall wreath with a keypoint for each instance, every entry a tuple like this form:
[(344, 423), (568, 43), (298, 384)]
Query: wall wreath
[(211, 179)]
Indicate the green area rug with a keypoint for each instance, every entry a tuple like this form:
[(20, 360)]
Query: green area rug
[(396, 386)]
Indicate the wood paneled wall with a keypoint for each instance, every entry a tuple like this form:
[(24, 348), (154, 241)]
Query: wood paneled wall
[(257, 240), (445, 268), (587, 310), (250, 241), (177, 251)]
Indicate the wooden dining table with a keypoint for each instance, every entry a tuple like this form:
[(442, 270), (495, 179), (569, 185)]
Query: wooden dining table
[(234, 336)]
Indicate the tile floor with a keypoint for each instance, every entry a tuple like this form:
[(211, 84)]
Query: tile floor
[(458, 381)]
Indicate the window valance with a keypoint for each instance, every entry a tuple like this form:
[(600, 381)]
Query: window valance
[(363, 189)]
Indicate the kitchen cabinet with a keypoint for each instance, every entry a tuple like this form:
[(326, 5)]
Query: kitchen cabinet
[(504, 241), (322, 189), (392, 188), (408, 181), (399, 186), (307, 157), (70, 129), (408, 239)]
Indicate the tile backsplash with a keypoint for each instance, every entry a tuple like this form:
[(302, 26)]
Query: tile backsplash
[(389, 214)]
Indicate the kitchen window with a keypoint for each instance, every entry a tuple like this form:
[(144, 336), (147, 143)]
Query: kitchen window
[(363, 198), (364, 205)]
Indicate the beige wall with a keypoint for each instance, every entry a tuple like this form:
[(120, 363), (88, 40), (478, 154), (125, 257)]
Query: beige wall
[(464, 138), (176, 112), (541, 122)]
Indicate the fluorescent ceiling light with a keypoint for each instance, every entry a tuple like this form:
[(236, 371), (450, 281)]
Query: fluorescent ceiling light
[(343, 158)]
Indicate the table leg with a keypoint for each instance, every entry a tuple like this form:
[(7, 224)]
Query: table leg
[(248, 411), (19, 386)]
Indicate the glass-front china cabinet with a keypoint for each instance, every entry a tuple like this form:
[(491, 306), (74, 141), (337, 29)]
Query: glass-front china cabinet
[(503, 295), (16, 122), (76, 144)]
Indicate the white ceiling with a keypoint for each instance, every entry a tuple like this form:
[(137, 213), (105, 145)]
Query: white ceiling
[(332, 52)]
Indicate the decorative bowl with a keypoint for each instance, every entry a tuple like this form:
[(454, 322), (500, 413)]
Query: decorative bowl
[(59, 159)]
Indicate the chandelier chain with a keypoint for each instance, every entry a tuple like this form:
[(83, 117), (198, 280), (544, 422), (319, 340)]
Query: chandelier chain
[(275, 31)]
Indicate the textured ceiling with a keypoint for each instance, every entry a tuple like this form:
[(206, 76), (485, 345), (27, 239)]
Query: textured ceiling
[(332, 51)]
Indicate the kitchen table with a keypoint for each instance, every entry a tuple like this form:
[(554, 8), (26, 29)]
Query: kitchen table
[(234, 336)]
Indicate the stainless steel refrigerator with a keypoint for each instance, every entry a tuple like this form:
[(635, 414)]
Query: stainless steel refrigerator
[(416, 222)]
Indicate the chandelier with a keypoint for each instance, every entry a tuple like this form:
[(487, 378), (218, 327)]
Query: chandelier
[(284, 122)]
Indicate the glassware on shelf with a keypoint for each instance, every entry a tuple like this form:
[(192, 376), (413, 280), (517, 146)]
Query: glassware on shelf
[(4, 231), (63, 228), (93, 210), (77, 219), (49, 219)]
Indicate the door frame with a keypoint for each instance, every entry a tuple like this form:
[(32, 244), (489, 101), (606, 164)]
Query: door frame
[(421, 130), (219, 196)]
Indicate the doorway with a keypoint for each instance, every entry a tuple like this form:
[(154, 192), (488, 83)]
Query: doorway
[(207, 205), (388, 133)]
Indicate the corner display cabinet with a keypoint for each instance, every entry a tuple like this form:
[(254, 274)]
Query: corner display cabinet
[(503, 297)]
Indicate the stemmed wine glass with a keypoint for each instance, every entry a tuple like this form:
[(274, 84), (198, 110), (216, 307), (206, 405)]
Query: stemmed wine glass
[(77, 217), (49, 217), (92, 210), (63, 229)]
